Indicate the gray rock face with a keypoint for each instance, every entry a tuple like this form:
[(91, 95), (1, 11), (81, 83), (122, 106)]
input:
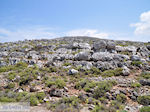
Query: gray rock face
[(57, 92), (13, 61), (135, 58), (100, 46), (145, 82), (126, 71), (83, 56), (102, 56), (3, 63), (104, 65), (144, 51), (33, 55), (132, 49), (111, 46), (17, 54), (72, 72), (76, 45), (148, 47), (120, 49), (3, 54), (121, 57)]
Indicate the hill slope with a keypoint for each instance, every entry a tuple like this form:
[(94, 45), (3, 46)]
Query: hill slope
[(77, 74)]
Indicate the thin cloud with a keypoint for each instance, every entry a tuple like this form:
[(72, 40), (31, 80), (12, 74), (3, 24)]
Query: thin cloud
[(28, 33), (143, 27), (87, 32)]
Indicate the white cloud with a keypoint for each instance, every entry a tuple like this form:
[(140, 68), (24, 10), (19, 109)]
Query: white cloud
[(28, 33), (87, 32), (143, 27)]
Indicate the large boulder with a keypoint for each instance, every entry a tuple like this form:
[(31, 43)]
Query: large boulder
[(102, 56), (104, 65), (120, 49), (76, 45), (111, 46), (148, 47), (3, 63), (100, 46), (83, 56), (132, 49), (126, 71), (121, 57), (145, 82), (135, 58), (144, 51)]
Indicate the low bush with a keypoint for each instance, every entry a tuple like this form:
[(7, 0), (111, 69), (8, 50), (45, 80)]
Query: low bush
[(40, 95), (115, 72), (136, 63), (59, 83), (144, 100), (33, 100), (135, 84), (10, 85), (102, 88), (145, 109), (121, 98), (70, 101), (7, 99), (145, 75), (11, 75)]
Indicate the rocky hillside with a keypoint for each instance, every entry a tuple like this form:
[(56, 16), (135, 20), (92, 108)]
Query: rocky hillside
[(76, 74)]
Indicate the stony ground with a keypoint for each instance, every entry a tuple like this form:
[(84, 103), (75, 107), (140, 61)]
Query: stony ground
[(76, 74)]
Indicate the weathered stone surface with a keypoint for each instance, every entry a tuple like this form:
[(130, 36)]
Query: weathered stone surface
[(145, 82), (100, 46), (83, 56), (102, 56), (72, 72), (135, 58)]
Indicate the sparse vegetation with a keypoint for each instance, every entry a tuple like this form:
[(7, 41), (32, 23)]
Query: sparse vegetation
[(144, 100)]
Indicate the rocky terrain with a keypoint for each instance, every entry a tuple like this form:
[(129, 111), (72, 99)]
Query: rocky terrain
[(76, 74)]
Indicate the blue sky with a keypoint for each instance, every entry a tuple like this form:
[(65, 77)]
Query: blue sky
[(111, 19)]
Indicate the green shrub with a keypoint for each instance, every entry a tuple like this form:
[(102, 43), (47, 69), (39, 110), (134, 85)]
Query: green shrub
[(52, 69), (11, 75), (110, 73), (121, 98), (3, 69), (59, 83), (21, 95), (6, 99), (33, 100), (102, 88), (95, 71), (116, 105), (81, 84), (145, 109), (40, 95), (70, 101), (66, 64), (90, 85), (25, 80), (144, 100), (21, 65), (145, 75), (135, 84), (10, 86), (118, 71), (136, 63)]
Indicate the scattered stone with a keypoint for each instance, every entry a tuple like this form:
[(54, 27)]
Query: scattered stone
[(73, 72)]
